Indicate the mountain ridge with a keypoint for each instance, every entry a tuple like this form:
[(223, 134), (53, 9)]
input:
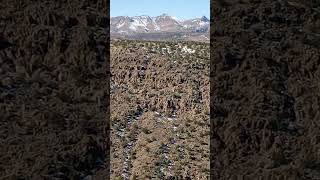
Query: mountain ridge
[(145, 25)]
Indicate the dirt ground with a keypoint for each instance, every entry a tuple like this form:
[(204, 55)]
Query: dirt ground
[(54, 89), (265, 90)]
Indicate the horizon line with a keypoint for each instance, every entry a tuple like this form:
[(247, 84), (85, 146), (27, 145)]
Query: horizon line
[(161, 15)]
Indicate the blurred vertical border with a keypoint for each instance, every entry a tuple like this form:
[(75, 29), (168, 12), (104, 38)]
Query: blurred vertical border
[(54, 91)]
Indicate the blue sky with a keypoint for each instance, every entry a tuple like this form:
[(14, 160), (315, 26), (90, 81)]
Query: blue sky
[(183, 9)]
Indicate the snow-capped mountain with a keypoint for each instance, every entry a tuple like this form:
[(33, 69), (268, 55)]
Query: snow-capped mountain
[(162, 23), (198, 25)]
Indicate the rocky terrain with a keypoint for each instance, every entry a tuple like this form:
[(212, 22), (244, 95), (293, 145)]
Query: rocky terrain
[(163, 27), (160, 110), (265, 101)]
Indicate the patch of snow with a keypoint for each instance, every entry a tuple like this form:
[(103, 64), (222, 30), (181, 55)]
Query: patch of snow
[(144, 16), (186, 26), (174, 128), (203, 23), (132, 27), (175, 18), (157, 28), (179, 21), (188, 50), (138, 22), (204, 37), (144, 21), (120, 25), (123, 32)]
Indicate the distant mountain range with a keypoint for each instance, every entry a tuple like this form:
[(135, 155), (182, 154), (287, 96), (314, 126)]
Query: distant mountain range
[(163, 27)]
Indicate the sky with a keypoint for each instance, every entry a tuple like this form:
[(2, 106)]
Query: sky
[(182, 9)]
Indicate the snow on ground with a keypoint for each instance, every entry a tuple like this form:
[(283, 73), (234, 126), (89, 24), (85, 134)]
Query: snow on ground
[(186, 26), (188, 50), (203, 23), (142, 22), (132, 27), (166, 50), (120, 25), (123, 32), (175, 18), (157, 28)]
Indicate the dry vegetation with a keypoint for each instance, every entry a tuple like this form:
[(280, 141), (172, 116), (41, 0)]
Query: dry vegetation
[(265, 90), (53, 90), (160, 110)]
